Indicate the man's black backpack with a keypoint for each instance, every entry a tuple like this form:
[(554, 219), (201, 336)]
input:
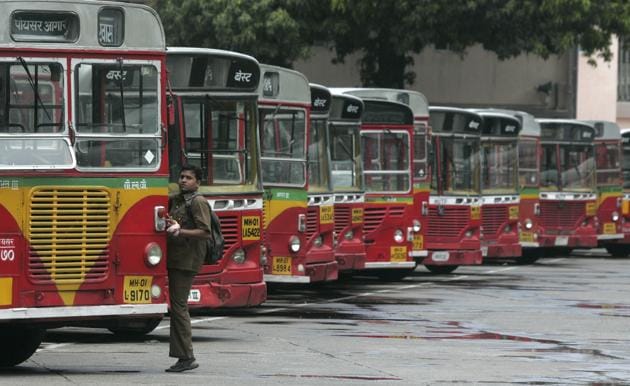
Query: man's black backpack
[(215, 244)]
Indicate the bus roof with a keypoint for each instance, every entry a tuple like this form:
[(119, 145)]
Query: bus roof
[(346, 107), (568, 130), (210, 69), (416, 100), (76, 24), (283, 85), (453, 119), (380, 111), (497, 123), (320, 100), (529, 126), (606, 130)]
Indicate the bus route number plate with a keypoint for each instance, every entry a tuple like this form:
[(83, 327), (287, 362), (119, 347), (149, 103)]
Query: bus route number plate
[(194, 296), (562, 241), (440, 256), (137, 289), (281, 265)]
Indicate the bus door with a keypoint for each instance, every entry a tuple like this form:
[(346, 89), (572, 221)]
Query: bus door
[(453, 230)]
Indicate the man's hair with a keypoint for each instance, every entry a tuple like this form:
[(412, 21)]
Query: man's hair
[(193, 168)]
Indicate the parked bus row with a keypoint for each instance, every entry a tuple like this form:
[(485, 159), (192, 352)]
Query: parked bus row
[(97, 116)]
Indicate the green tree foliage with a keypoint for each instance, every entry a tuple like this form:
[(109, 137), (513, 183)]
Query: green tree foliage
[(387, 32), (264, 29)]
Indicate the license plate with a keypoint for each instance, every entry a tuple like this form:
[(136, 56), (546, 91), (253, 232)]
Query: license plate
[(610, 228), (440, 256), (562, 241), (281, 265), (137, 289), (418, 242), (194, 296), (398, 254), (326, 214), (484, 251), (527, 236)]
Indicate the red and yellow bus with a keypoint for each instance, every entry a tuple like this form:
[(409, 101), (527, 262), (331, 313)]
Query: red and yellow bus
[(214, 96), (284, 108), (568, 199), (416, 230), (344, 125), (83, 173), (454, 227), (320, 222), (387, 145), (499, 185), (609, 183), (622, 247)]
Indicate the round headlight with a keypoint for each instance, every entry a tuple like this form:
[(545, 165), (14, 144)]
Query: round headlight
[(615, 216), (239, 256), (529, 224), (507, 229), (318, 241), (152, 254), (349, 235), (294, 244), (417, 226), (398, 236), (156, 291), (469, 233)]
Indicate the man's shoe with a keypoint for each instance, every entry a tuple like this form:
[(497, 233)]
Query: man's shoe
[(183, 365)]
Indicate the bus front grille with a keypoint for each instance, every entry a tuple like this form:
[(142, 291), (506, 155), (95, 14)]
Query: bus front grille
[(342, 218), (312, 217), (493, 218), (69, 231), (375, 216), (229, 228), (449, 221), (561, 214)]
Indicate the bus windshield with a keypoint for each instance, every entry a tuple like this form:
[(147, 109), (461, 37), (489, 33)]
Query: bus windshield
[(219, 139), (32, 116), (608, 164), (283, 150), (498, 167), (458, 172), (626, 165), (318, 168), (386, 161), (576, 169), (345, 152), (116, 115)]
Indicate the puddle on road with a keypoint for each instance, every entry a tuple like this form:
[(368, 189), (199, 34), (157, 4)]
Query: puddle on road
[(343, 377), (603, 306)]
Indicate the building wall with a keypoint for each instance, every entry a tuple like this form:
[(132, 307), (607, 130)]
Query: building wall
[(596, 96)]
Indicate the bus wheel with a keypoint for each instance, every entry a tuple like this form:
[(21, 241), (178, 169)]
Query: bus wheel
[(441, 269), (618, 250), (393, 274), (18, 344), (135, 327)]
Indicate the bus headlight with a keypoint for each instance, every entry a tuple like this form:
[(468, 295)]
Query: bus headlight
[(152, 254), (398, 236), (349, 235), (156, 291), (507, 229), (239, 256), (469, 233), (528, 224), (318, 241), (417, 226), (615, 216), (263, 255), (294, 244)]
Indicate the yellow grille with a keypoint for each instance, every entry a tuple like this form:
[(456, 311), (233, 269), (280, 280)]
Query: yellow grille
[(69, 230)]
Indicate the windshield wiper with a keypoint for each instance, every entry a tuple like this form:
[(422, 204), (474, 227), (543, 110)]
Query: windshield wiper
[(34, 87)]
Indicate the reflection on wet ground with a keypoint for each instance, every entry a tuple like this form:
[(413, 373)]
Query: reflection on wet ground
[(342, 377)]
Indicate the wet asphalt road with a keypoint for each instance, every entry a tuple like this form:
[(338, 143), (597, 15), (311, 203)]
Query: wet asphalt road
[(559, 321)]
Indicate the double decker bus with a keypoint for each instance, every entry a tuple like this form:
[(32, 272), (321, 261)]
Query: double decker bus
[(455, 203), (344, 125), (609, 184), (83, 175), (568, 201), (387, 145), (214, 126), (320, 213), (284, 108), (499, 185), (416, 231)]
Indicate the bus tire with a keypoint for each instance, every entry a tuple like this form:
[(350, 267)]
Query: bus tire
[(441, 269), (393, 274), (135, 327), (18, 344), (618, 250)]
